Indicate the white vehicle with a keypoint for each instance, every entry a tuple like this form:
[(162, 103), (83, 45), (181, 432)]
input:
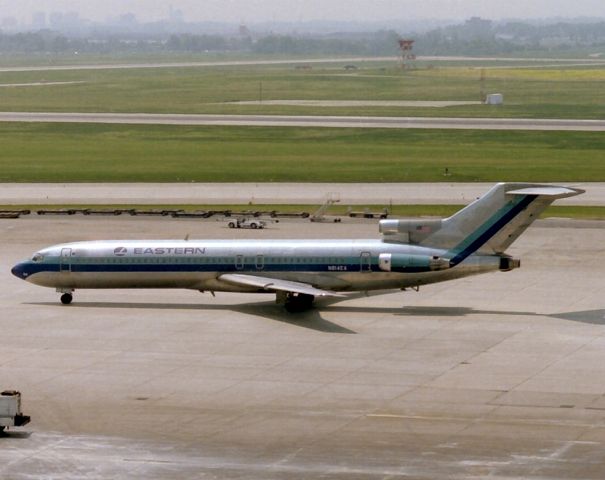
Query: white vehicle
[(246, 223), (10, 410)]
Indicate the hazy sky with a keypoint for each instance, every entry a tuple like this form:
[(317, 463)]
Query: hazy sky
[(302, 10)]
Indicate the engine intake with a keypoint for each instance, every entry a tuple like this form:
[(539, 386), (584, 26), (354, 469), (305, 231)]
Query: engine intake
[(409, 231)]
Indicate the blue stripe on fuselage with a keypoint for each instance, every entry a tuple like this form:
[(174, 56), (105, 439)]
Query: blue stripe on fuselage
[(33, 268)]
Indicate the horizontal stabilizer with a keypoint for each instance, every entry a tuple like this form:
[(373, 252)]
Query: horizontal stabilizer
[(553, 192), (275, 284)]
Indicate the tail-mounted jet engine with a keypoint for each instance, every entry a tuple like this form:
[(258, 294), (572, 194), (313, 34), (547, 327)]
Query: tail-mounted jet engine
[(409, 231), (509, 263)]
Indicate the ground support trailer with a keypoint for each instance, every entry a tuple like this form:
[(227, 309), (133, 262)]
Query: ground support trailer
[(10, 410)]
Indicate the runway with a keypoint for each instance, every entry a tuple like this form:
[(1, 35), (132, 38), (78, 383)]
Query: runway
[(309, 121), (212, 63), (497, 376), (296, 61), (262, 193)]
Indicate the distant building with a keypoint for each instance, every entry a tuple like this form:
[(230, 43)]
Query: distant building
[(39, 20), (56, 20), (477, 28), (244, 31), (175, 15), (494, 99), (128, 20), (9, 23)]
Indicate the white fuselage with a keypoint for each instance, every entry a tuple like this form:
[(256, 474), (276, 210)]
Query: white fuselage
[(334, 265)]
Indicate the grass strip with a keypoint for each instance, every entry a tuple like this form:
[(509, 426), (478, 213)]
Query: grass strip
[(442, 211), (48, 152)]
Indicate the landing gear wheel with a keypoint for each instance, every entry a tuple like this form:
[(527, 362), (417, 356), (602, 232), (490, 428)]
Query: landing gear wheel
[(298, 303), (66, 298)]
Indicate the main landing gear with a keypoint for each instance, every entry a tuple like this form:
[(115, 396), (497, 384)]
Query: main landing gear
[(66, 297), (298, 302)]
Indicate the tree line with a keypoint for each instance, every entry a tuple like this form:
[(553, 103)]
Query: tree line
[(476, 36)]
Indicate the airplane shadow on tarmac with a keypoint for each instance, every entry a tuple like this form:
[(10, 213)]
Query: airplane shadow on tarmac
[(594, 317), (313, 320), (18, 435), (308, 319)]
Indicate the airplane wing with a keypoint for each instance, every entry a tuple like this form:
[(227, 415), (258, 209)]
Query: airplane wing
[(274, 284)]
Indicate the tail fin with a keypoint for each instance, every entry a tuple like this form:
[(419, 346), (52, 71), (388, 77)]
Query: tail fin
[(493, 222), (489, 225)]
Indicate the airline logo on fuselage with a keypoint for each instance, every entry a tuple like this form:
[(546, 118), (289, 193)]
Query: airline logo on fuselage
[(169, 251), (121, 251)]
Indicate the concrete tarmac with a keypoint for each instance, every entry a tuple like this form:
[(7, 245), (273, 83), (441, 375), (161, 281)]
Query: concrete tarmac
[(496, 376)]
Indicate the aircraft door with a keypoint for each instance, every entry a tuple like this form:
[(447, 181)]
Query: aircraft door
[(365, 262), (65, 260), (239, 262), (260, 262)]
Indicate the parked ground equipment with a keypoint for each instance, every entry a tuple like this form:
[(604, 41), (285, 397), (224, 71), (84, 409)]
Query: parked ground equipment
[(10, 410)]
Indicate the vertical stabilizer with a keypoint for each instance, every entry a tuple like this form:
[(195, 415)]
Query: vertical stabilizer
[(493, 222)]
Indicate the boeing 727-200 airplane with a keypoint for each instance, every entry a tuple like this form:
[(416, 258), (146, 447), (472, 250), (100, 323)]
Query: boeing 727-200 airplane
[(410, 253)]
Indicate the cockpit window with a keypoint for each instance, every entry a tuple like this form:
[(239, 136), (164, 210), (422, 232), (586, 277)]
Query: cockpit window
[(38, 257)]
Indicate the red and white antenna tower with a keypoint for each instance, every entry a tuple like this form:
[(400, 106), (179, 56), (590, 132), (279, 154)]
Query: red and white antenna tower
[(407, 57)]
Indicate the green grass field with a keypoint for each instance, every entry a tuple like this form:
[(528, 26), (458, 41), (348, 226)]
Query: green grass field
[(126, 153), (551, 92), (122, 153)]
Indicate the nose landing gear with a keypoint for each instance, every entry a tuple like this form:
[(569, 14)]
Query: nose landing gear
[(67, 296)]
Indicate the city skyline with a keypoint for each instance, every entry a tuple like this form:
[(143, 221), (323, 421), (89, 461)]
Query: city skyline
[(260, 11)]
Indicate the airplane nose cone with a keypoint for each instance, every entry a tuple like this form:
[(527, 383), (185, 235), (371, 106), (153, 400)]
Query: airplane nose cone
[(19, 271)]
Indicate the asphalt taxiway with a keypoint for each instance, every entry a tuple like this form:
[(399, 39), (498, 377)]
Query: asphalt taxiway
[(496, 376), (541, 62), (541, 124), (263, 193)]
